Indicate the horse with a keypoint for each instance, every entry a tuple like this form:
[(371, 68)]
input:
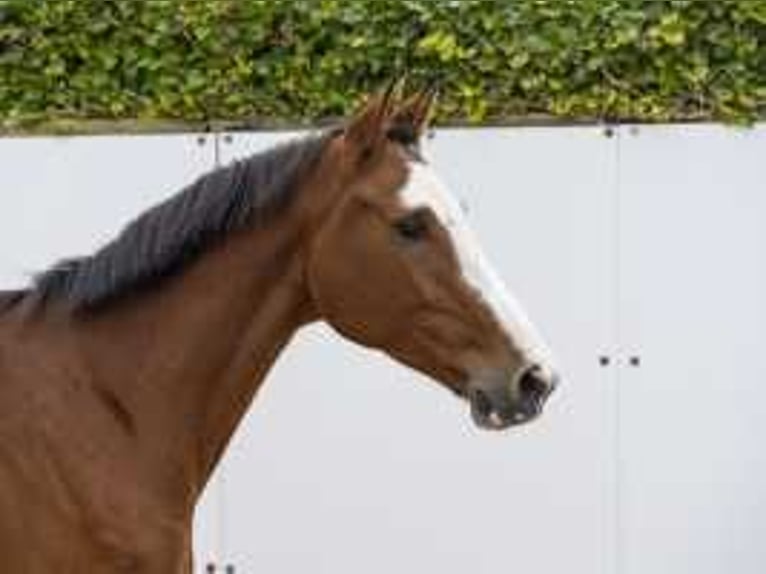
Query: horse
[(123, 374)]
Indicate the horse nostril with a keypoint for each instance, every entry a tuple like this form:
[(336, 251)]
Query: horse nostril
[(534, 385)]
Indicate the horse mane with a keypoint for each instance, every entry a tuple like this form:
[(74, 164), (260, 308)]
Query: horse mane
[(168, 237), (10, 298)]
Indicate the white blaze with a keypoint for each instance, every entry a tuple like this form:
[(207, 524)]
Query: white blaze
[(424, 189)]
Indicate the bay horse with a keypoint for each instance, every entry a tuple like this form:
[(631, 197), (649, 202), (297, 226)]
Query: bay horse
[(123, 374)]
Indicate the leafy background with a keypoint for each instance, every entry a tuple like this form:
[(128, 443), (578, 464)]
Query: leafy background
[(303, 61)]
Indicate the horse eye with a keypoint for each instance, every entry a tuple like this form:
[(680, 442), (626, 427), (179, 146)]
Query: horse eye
[(413, 226)]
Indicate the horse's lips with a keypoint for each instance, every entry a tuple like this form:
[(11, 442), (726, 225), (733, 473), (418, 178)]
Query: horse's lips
[(486, 417)]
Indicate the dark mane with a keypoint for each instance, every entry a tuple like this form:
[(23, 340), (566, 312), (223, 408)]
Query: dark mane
[(10, 298), (166, 238)]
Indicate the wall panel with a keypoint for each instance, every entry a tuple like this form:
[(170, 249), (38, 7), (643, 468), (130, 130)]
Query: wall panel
[(349, 462), (693, 312)]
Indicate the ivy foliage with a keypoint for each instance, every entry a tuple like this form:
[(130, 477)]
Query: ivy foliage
[(299, 61)]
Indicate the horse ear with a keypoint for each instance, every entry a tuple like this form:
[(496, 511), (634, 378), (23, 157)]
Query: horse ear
[(416, 111), (367, 128)]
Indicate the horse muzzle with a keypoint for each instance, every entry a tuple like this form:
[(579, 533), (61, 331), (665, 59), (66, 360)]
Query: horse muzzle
[(497, 404)]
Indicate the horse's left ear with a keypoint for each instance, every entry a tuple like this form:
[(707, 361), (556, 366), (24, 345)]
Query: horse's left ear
[(415, 113)]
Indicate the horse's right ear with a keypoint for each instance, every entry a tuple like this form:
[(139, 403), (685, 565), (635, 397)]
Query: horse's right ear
[(367, 128)]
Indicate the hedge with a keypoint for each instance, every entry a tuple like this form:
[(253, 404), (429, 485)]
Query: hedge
[(306, 60)]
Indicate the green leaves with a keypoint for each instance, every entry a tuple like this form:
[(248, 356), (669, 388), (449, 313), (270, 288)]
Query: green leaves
[(299, 61), (670, 30)]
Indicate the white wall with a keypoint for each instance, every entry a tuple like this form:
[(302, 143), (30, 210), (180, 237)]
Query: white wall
[(648, 244)]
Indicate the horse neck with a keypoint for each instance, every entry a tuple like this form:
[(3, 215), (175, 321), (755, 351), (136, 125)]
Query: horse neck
[(179, 366)]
